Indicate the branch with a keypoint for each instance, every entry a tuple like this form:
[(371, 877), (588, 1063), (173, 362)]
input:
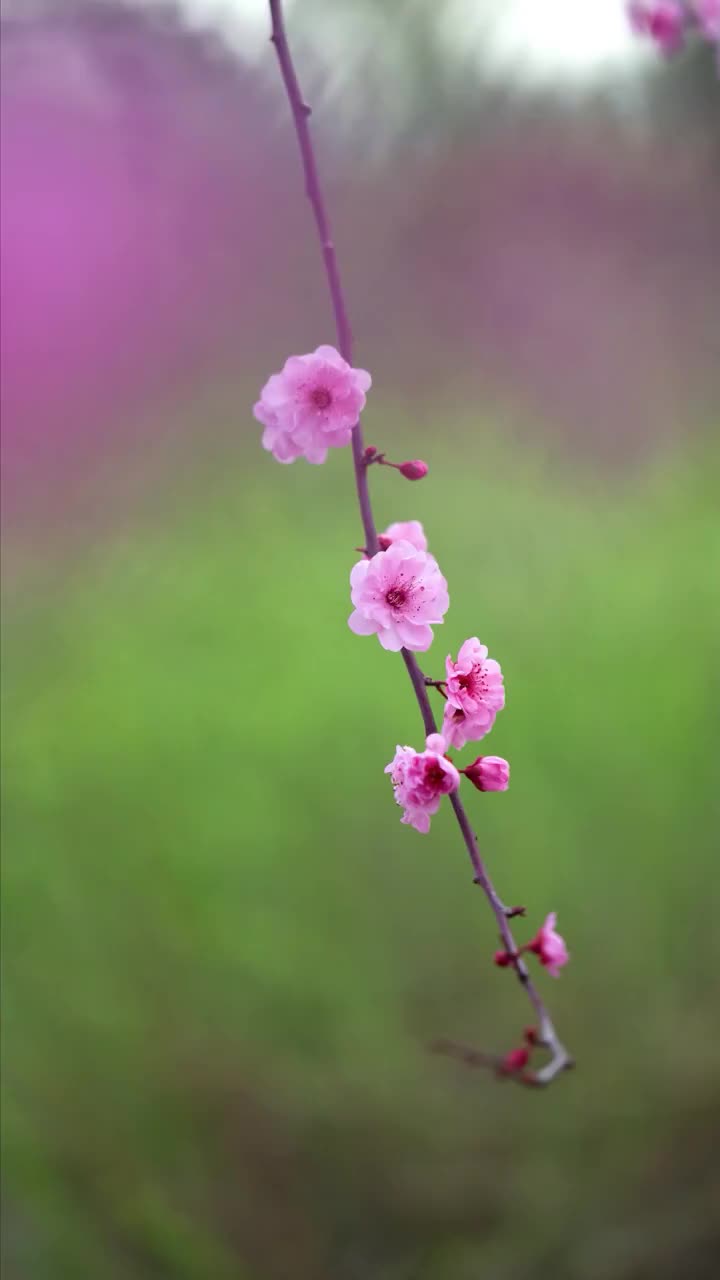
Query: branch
[(547, 1035)]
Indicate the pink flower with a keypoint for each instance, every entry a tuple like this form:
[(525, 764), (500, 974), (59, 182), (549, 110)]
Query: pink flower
[(549, 947), (664, 21), (404, 531), (311, 406), (489, 773), (421, 779), (397, 595), (708, 16), (475, 685), (459, 728)]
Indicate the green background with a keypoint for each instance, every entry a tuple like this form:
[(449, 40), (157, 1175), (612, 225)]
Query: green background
[(224, 956)]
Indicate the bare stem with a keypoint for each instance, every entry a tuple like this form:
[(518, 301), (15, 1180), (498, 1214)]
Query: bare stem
[(548, 1037)]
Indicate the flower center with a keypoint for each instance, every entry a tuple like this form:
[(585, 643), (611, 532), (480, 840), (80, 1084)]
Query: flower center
[(396, 597), (435, 774), (474, 681), (321, 397)]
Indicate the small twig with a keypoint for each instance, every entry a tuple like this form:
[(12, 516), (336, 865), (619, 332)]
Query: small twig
[(496, 1063)]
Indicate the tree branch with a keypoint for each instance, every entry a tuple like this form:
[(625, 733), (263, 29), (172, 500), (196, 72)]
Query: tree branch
[(547, 1036)]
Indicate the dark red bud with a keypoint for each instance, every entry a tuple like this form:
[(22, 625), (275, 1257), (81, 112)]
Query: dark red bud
[(503, 959), (530, 1035)]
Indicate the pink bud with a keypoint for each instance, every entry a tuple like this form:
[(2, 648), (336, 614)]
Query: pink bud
[(514, 1061), (503, 959), (489, 773), (414, 470)]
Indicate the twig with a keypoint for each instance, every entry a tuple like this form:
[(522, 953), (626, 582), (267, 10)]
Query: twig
[(547, 1035)]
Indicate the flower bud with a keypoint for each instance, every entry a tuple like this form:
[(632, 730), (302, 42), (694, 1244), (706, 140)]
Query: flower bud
[(416, 469), (489, 773), (514, 1061)]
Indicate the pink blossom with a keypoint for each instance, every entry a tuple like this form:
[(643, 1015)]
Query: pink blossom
[(664, 21), (489, 773), (421, 779), (404, 531), (708, 16), (397, 595), (549, 947), (459, 728), (311, 405), (475, 685)]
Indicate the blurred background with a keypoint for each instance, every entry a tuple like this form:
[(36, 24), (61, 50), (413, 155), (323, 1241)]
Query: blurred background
[(224, 957)]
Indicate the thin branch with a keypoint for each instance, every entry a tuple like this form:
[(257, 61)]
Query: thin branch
[(547, 1035)]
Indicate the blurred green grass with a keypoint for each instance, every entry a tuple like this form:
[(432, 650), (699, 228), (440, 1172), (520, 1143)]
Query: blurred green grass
[(224, 957)]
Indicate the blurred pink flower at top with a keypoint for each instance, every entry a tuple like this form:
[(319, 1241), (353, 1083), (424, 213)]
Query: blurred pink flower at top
[(549, 947), (475, 683), (397, 595), (404, 531), (311, 405), (421, 779), (664, 21), (708, 16)]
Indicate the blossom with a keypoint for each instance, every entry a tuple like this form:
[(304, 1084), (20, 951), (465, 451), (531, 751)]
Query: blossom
[(421, 779), (459, 728), (708, 16), (397, 595), (404, 530), (549, 947), (664, 21), (489, 773), (475, 685), (311, 405)]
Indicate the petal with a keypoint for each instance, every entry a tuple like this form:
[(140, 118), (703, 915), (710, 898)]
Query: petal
[(358, 574), (416, 638), (331, 355), (316, 454), (362, 625), (389, 638)]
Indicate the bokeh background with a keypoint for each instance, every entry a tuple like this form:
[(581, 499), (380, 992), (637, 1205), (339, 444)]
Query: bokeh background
[(224, 958)]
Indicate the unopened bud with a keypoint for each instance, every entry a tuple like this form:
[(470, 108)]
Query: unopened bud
[(489, 773), (416, 469), (514, 1061)]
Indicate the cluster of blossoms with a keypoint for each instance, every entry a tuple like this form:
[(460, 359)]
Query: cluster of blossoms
[(668, 23), (474, 693), (398, 595)]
